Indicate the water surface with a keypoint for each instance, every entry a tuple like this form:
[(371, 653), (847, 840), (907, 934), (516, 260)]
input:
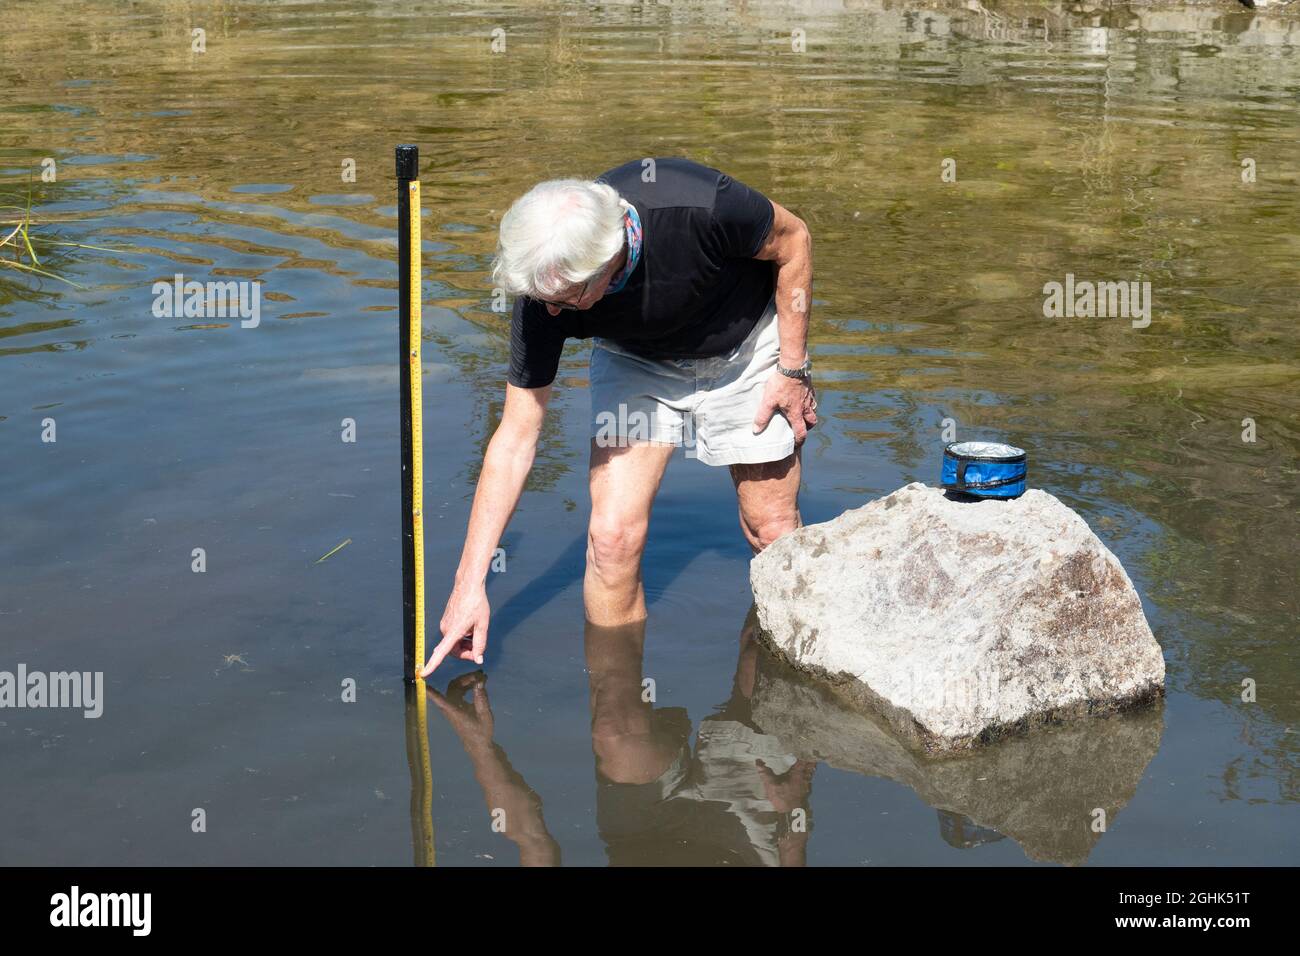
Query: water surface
[(1107, 144)]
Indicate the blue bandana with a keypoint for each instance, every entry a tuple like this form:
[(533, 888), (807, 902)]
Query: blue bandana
[(632, 223)]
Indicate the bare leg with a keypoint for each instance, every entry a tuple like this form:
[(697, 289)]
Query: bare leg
[(623, 486), (768, 495)]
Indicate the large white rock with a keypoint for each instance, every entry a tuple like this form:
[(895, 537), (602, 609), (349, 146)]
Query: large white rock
[(959, 622)]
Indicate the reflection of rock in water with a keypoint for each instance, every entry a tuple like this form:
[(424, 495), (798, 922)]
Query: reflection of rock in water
[(1040, 790)]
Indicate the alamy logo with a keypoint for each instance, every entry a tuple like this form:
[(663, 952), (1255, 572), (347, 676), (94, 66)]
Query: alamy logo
[(624, 427), (213, 300), (1098, 300), (102, 909), (75, 689)]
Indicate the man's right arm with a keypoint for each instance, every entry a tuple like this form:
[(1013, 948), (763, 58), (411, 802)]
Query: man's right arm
[(509, 458)]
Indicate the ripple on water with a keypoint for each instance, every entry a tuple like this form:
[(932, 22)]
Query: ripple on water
[(262, 188)]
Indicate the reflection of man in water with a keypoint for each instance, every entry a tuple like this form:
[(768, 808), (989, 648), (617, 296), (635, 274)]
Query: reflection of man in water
[(731, 802), (504, 788)]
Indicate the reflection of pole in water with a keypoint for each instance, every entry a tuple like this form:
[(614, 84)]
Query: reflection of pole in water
[(417, 758)]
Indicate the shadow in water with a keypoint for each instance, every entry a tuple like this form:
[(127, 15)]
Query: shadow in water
[(567, 567), (570, 562)]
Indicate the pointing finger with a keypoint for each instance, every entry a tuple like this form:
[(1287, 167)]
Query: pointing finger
[(439, 653)]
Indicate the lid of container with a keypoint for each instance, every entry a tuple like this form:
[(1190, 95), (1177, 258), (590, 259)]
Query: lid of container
[(985, 450)]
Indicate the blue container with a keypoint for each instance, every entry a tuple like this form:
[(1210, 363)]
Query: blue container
[(984, 469)]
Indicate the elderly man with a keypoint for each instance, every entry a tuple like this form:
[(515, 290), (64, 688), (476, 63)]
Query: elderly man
[(695, 290)]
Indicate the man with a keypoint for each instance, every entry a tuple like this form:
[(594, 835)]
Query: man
[(696, 290)]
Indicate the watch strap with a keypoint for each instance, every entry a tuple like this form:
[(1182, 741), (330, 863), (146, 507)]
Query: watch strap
[(803, 371)]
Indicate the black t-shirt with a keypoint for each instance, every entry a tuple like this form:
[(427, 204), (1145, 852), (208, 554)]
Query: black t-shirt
[(696, 292)]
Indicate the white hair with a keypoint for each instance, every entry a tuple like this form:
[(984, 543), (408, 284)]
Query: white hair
[(556, 235)]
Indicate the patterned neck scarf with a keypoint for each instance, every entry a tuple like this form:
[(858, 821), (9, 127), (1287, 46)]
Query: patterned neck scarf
[(632, 225)]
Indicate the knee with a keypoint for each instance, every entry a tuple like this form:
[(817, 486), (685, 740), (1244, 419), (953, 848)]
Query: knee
[(763, 529), (614, 544)]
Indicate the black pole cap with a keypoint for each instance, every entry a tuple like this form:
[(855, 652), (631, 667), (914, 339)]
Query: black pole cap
[(408, 162)]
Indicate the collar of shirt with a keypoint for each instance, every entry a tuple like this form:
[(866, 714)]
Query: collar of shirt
[(632, 226)]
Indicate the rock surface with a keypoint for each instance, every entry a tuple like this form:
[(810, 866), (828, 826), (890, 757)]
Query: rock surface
[(959, 622)]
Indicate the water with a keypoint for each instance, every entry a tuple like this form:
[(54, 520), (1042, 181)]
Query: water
[(1107, 145)]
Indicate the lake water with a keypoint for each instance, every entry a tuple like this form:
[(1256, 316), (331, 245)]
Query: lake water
[(1107, 145)]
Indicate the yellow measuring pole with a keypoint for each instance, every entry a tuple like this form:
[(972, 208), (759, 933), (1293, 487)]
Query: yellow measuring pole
[(417, 427), (412, 440)]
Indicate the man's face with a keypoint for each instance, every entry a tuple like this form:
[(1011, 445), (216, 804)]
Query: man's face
[(585, 294)]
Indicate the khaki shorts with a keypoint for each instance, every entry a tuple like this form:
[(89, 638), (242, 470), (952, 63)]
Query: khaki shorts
[(706, 405)]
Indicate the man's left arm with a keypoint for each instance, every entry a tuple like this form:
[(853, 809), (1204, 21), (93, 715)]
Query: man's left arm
[(789, 246)]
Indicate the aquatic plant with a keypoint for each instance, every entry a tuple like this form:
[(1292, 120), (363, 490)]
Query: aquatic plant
[(18, 242)]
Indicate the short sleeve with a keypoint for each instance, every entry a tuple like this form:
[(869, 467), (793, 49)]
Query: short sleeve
[(536, 343), (742, 218)]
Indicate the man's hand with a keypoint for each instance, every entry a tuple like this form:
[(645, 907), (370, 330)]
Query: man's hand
[(464, 628), (792, 397)]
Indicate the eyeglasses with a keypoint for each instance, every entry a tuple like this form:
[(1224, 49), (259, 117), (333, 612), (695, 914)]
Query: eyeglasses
[(564, 305), (585, 286)]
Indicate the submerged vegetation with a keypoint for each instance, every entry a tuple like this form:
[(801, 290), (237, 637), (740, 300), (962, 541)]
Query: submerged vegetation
[(21, 234), (17, 243)]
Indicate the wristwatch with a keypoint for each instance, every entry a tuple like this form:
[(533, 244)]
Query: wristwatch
[(803, 371)]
